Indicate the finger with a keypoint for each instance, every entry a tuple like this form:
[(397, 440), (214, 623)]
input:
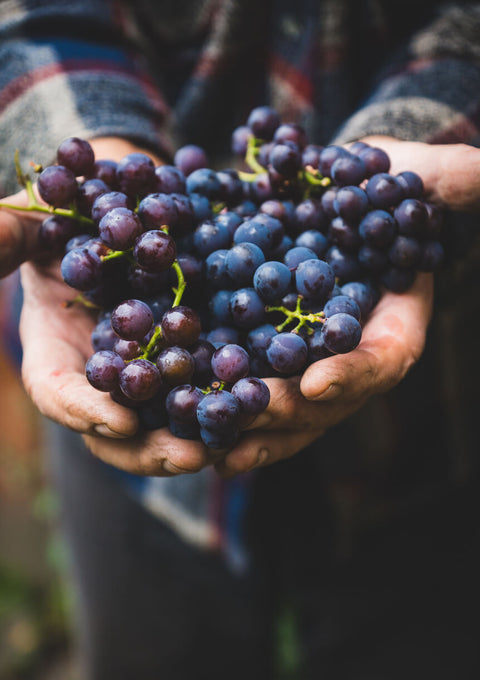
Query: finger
[(392, 341), (56, 344), (450, 172), (156, 453), (18, 234), (261, 448)]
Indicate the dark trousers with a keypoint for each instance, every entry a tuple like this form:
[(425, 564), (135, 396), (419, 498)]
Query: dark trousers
[(403, 603)]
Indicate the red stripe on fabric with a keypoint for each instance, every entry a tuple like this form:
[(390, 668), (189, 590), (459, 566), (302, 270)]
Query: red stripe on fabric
[(297, 80), (17, 87)]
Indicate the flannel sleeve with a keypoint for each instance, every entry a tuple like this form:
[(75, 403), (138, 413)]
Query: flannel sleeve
[(68, 68), (432, 92)]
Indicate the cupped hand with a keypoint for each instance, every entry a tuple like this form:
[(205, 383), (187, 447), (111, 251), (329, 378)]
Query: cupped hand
[(302, 409), (56, 344)]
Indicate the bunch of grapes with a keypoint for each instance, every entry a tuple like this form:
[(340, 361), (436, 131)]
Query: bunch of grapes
[(205, 282)]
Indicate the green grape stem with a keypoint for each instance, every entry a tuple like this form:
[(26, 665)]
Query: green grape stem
[(297, 314), (181, 284)]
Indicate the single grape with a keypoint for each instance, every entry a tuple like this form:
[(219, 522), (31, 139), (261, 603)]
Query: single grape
[(314, 279), (272, 280), (181, 326), (242, 261), (103, 370), (384, 191), (258, 340), (342, 333), (230, 363), (140, 380), (106, 202), (189, 158), (136, 174), (182, 402), (204, 181), (344, 304), (77, 155), (155, 251), (176, 365), (247, 308), (287, 353), (103, 336), (81, 268), (57, 185), (253, 395), (120, 228), (378, 228), (263, 121), (218, 411), (170, 180), (132, 320)]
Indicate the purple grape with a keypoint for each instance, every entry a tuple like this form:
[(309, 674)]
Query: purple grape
[(263, 121), (189, 158), (132, 320), (384, 191), (433, 255), (362, 294), (316, 347), (344, 304), (398, 279), (219, 306), (77, 155), (204, 181), (120, 228), (375, 159), (81, 269), (216, 270), (136, 174), (231, 191), (170, 180), (211, 236), (103, 370), (106, 170), (372, 260), (272, 281), (155, 251), (181, 404), (412, 217), (378, 228), (230, 363), (223, 335), (309, 214), (87, 194), (342, 333), (247, 308), (181, 326), (202, 352), (287, 353), (258, 340), (219, 440), (158, 210), (291, 132), (286, 160), (140, 380), (54, 233), (57, 186), (411, 184), (296, 255), (218, 411), (106, 202), (328, 156), (253, 395), (348, 169), (127, 349), (344, 235), (176, 365), (313, 240), (405, 252), (344, 264), (240, 137), (314, 280), (350, 202), (103, 336), (242, 261)]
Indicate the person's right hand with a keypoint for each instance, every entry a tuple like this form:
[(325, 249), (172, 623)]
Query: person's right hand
[(56, 344)]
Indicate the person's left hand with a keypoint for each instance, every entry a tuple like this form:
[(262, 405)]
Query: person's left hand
[(302, 409)]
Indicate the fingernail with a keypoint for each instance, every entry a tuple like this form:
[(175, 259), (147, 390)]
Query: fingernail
[(332, 392), (104, 431)]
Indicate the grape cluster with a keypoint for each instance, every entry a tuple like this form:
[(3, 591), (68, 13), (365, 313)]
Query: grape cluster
[(207, 281)]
